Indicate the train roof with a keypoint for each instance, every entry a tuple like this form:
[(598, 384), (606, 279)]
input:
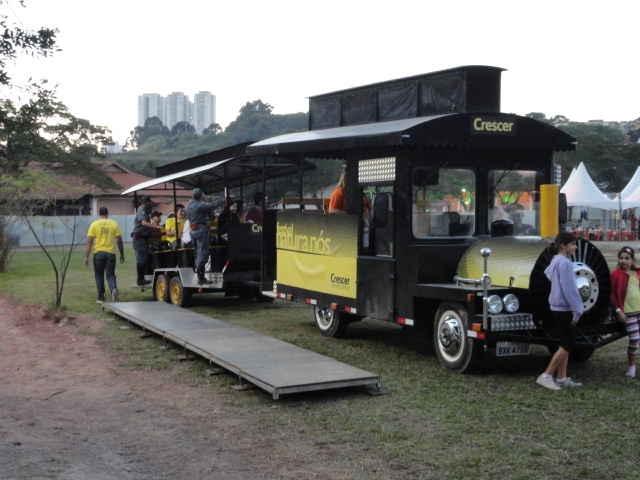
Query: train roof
[(477, 130)]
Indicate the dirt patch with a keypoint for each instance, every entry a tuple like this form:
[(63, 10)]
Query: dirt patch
[(68, 411)]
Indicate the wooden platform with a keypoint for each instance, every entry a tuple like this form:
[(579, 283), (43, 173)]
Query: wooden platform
[(273, 365)]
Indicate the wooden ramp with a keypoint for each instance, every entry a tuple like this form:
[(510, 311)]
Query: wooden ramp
[(273, 365)]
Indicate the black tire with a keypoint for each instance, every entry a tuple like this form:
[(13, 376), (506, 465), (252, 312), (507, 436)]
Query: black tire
[(579, 354), (331, 323), (179, 295), (161, 289), (456, 351), (540, 287), (245, 293)]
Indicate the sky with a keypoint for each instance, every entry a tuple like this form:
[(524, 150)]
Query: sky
[(562, 57)]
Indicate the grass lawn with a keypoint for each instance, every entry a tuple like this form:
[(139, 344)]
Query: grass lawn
[(434, 424)]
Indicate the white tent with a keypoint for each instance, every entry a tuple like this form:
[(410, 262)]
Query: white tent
[(582, 192), (632, 200), (632, 186)]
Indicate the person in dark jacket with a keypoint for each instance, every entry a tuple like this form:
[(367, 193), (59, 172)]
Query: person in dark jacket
[(142, 230), (197, 213)]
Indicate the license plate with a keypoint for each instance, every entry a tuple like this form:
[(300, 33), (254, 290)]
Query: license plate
[(505, 349)]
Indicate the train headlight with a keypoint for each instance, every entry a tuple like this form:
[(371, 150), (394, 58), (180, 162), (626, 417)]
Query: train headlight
[(494, 304), (511, 303)]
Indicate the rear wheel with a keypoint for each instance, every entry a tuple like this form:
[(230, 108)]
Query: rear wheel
[(245, 293), (179, 295), (578, 355), (456, 350), (331, 323), (161, 289)]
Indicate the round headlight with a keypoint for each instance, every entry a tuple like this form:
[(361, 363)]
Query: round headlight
[(511, 303), (494, 304)]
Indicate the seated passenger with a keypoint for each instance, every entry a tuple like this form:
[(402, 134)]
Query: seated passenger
[(516, 215), (158, 235), (255, 214), (227, 216), (174, 227)]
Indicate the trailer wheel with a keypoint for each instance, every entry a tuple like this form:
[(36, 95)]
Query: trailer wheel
[(331, 323), (161, 289), (179, 295), (456, 351)]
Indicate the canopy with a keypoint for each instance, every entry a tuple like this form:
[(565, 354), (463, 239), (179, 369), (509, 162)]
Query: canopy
[(581, 191), (224, 173)]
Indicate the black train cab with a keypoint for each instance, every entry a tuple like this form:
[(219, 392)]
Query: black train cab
[(464, 199)]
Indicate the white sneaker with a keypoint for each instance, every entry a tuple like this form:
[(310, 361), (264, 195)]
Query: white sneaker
[(568, 383), (631, 372), (114, 295), (99, 301), (547, 383)]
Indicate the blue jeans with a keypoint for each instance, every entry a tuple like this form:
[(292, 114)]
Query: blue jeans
[(141, 249), (104, 262), (201, 245)]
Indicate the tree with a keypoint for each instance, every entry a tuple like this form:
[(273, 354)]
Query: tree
[(541, 117), (42, 130), (182, 127), (253, 123), (32, 191), (213, 129), (15, 40), (153, 126), (603, 150)]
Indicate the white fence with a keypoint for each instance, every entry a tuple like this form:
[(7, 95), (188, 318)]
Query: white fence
[(53, 231)]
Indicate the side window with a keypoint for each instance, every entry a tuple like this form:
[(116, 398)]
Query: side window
[(514, 199), (443, 202)]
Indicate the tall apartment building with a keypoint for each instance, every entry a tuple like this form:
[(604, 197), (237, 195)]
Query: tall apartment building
[(150, 105), (176, 107), (204, 110)]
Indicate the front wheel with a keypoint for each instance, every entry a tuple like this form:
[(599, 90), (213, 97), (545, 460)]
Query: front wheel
[(456, 350), (331, 323), (179, 295)]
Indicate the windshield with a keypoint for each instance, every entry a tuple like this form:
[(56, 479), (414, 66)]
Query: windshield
[(514, 199), (443, 202)]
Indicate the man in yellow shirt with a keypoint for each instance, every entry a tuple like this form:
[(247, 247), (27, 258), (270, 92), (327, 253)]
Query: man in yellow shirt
[(102, 236)]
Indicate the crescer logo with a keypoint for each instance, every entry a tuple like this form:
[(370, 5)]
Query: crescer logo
[(492, 126)]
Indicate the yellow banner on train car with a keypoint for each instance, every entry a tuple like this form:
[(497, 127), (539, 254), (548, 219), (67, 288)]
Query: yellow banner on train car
[(318, 252)]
